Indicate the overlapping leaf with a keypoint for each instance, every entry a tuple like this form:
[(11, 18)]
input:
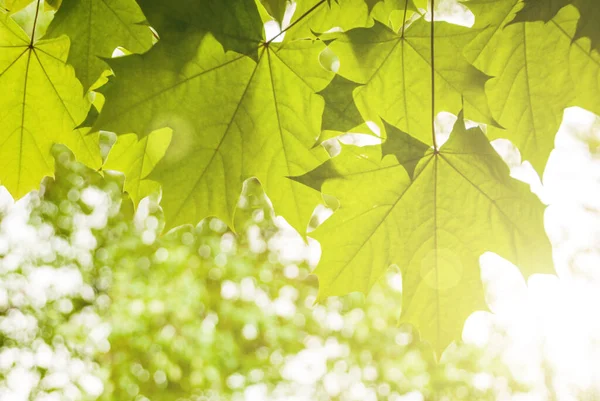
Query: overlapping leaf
[(241, 107), (371, 4), (434, 224), (96, 28), (235, 23), (41, 104), (136, 159), (392, 12), (395, 70), (546, 10), (340, 112), (584, 63), (535, 69), (315, 17), (240, 119), (13, 6), (276, 8)]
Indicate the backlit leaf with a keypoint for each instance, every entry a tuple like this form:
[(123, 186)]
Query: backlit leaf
[(340, 111), (41, 104), (315, 17), (136, 159), (545, 10), (235, 23), (434, 224), (96, 28), (276, 8), (240, 119), (14, 5), (391, 66), (534, 67)]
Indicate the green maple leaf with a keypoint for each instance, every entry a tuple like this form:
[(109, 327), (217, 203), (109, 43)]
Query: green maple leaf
[(391, 66), (545, 10), (235, 23), (53, 4), (33, 14), (96, 28), (42, 102), (13, 6), (240, 119), (392, 12), (533, 65), (340, 112), (371, 4), (434, 224), (584, 63), (136, 159), (408, 150), (276, 8), (315, 17), (240, 107)]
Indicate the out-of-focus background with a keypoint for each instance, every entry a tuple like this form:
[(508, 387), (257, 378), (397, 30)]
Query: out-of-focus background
[(96, 304)]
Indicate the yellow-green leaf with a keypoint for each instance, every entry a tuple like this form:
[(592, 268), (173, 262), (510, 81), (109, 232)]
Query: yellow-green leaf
[(534, 67), (240, 119), (41, 104), (13, 6), (391, 66), (318, 16), (434, 224), (96, 28), (136, 159), (546, 10)]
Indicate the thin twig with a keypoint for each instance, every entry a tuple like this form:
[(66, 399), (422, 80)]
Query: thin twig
[(435, 147), (404, 18), (35, 20)]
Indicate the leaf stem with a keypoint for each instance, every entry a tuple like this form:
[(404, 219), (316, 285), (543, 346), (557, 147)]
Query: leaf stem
[(404, 18), (300, 18), (435, 146), (35, 20)]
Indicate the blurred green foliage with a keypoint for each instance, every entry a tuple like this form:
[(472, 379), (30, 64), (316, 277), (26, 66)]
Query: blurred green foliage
[(201, 313)]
